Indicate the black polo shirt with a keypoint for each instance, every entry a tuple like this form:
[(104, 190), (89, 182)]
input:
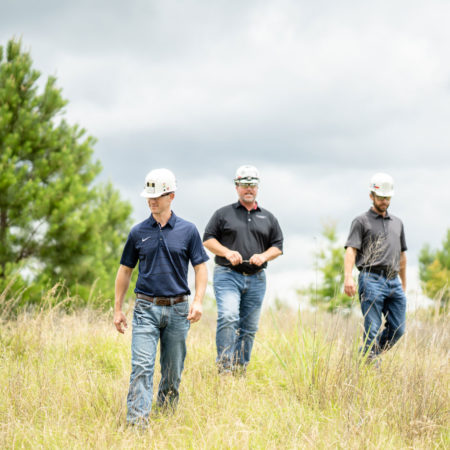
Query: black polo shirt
[(247, 232), (378, 239)]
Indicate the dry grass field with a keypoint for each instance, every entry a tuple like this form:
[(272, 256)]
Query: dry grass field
[(64, 380)]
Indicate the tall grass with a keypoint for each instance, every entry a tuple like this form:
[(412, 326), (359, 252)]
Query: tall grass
[(64, 380)]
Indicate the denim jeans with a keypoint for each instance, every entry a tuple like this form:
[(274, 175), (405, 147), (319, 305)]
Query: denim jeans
[(381, 296), (152, 323), (239, 299)]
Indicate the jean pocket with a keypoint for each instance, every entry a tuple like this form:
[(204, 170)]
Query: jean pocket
[(221, 269), (261, 275), (141, 311), (142, 305), (181, 309)]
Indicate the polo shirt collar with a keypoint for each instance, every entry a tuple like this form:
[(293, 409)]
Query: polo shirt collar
[(375, 215), (239, 204), (171, 222)]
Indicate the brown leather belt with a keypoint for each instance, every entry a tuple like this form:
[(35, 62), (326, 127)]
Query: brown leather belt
[(163, 301)]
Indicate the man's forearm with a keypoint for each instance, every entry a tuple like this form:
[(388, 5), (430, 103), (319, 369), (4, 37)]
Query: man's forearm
[(121, 286), (349, 261), (272, 253), (201, 280), (402, 272), (214, 246)]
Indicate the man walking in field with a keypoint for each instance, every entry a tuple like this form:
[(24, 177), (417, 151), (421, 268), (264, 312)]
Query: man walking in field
[(377, 245), (163, 244), (244, 237)]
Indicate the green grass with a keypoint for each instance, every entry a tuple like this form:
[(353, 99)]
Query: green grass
[(64, 380)]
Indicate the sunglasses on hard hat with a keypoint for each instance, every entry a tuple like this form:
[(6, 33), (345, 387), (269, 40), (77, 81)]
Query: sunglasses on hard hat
[(247, 185)]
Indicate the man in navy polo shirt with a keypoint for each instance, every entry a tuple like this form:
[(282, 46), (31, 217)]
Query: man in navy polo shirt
[(377, 245), (243, 236), (163, 244)]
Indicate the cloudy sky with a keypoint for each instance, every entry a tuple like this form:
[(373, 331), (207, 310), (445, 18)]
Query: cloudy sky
[(318, 95)]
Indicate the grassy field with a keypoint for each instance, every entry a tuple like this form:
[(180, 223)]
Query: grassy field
[(64, 380)]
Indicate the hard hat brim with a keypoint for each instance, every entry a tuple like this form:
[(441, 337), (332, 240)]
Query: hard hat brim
[(246, 181), (146, 194), (382, 193)]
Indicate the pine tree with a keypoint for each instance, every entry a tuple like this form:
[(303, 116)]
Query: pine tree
[(55, 223), (330, 264)]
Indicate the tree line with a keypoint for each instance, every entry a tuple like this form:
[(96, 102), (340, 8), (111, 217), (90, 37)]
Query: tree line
[(58, 225)]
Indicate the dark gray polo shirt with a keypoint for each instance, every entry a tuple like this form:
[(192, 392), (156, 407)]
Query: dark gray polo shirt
[(247, 232), (378, 240)]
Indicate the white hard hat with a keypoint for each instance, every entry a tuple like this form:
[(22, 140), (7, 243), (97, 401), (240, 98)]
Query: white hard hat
[(159, 182), (247, 175), (382, 185)]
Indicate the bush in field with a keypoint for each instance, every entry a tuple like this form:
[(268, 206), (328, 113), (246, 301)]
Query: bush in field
[(434, 271), (330, 264), (55, 224)]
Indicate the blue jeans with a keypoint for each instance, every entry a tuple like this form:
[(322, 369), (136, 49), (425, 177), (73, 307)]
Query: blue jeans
[(239, 299), (381, 296), (152, 323)]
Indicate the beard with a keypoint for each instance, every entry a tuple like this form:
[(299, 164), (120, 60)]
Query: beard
[(380, 208)]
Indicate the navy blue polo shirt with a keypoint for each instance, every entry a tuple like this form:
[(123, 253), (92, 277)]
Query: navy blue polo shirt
[(163, 255)]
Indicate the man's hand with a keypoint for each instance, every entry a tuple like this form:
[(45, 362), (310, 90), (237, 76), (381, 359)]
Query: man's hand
[(349, 286), (258, 259), (195, 312), (120, 321), (234, 257)]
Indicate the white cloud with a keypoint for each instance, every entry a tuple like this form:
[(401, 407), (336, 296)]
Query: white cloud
[(319, 95)]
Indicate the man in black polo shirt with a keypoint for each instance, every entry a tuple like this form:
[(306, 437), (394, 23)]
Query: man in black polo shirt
[(377, 245), (163, 244), (243, 236)]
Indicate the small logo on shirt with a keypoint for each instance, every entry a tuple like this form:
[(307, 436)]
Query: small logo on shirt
[(261, 217), (144, 239)]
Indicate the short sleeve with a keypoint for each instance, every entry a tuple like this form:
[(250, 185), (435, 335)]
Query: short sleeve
[(197, 253), (355, 236), (403, 245), (130, 254), (212, 230), (276, 235)]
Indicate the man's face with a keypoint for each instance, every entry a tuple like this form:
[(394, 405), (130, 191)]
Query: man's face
[(380, 204), (247, 193), (160, 204)]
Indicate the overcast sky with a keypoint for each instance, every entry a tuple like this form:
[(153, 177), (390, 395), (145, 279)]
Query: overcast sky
[(318, 95)]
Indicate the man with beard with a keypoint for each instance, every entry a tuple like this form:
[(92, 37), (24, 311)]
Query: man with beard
[(376, 244)]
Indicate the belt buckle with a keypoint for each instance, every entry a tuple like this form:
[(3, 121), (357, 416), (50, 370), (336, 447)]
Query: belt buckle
[(159, 301), (169, 301), (249, 274)]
